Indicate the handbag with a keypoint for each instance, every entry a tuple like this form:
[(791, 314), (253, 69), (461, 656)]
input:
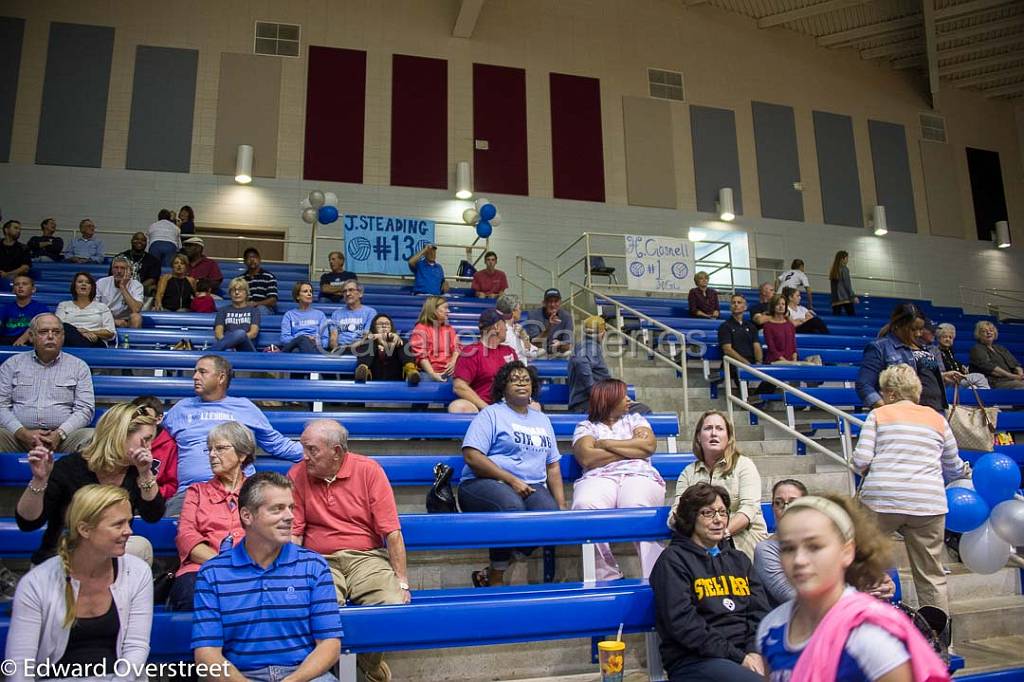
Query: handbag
[(440, 498), (973, 427)]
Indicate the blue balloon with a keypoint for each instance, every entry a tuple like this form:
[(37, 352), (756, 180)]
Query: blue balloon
[(327, 214), (488, 211), (967, 510), (483, 228), (996, 478)]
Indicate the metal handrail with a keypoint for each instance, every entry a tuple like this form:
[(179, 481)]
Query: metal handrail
[(524, 280), (619, 307), (845, 433)]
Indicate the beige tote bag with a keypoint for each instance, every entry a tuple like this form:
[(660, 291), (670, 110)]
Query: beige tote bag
[(973, 427)]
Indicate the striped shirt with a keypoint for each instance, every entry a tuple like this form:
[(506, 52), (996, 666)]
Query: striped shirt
[(907, 450), (38, 396), (265, 616), (262, 286)]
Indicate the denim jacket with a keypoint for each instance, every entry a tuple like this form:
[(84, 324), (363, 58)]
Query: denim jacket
[(881, 353)]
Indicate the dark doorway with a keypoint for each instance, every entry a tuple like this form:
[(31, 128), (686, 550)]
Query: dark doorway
[(986, 190)]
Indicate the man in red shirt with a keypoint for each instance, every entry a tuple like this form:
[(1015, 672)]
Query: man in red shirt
[(489, 282), (479, 362), (345, 510), (200, 266)]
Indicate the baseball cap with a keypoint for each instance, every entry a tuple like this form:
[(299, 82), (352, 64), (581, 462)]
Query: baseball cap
[(552, 293), (193, 240), (490, 317)]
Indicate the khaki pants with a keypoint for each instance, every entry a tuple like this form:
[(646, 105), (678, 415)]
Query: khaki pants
[(366, 578), (75, 441), (922, 536)]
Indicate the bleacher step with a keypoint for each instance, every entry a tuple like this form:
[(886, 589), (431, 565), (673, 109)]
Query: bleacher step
[(964, 584), (985, 617), (992, 653), (662, 376)]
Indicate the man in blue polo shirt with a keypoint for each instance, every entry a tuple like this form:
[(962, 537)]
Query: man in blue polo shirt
[(267, 608), (429, 273)]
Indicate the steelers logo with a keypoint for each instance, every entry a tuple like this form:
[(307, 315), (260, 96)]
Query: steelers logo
[(729, 604)]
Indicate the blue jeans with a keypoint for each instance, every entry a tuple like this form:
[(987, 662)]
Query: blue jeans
[(276, 673), (183, 590), (711, 670), (164, 252), (300, 344), (492, 495), (235, 339)]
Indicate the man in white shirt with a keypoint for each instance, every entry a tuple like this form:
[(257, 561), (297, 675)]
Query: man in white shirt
[(796, 278), (122, 294)]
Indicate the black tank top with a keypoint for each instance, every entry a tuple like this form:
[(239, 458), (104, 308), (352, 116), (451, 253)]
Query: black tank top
[(94, 640), (177, 294)]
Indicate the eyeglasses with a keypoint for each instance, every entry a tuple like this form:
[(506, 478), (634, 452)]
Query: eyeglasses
[(222, 448), (520, 379), (709, 514)]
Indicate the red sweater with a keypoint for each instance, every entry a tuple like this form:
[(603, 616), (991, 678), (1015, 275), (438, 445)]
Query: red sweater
[(165, 451), (781, 340)]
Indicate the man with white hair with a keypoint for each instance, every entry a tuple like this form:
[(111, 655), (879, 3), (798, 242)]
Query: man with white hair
[(352, 322), (345, 510), (122, 293)]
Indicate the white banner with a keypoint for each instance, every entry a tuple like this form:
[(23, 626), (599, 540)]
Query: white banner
[(659, 263)]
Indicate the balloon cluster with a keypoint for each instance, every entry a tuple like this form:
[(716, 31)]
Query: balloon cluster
[(987, 512), (319, 207), (484, 215)]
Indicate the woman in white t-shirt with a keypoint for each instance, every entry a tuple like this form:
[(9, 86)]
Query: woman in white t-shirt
[(831, 548), (164, 238), (87, 322), (614, 449), (805, 320)]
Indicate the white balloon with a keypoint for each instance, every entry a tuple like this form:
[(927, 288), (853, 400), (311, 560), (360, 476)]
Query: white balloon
[(961, 483), (983, 551), (470, 216), (496, 220), (330, 199), (304, 204), (316, 198), (309, 216), (480, 202), (1007, 521)]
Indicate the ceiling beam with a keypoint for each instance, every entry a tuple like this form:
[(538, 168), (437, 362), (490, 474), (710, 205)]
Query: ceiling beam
[(931, 51), (914, 62), (860, 33), (981, 79), (469, 12), (1004, 90), (981, 45), (965, 8), (981, 29), (983, 63), (890, 50), (806, 12)]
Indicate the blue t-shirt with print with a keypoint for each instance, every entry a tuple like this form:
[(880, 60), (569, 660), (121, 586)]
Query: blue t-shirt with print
[(309, 322), (521, 444), (352, 325), (16, 319), (232, 318)]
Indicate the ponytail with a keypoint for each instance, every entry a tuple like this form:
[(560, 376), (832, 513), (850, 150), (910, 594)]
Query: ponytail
[(64, 552), (873, 556)]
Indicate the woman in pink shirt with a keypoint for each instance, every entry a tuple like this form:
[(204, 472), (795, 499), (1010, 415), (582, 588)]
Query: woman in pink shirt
[(209, 519), (433, 341), (779, 333)]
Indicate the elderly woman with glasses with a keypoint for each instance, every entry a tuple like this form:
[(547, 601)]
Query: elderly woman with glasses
[(512, 460), (945, 335), (994, 361), (708, 600), (209, 520)]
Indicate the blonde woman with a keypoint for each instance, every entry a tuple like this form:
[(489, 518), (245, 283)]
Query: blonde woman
[(994, 361), (433, 341), (175, 289), (719, 463), (103, 615), (119, 455), (237, 325)]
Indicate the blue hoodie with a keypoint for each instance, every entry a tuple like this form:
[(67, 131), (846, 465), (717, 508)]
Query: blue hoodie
[(191, 419)]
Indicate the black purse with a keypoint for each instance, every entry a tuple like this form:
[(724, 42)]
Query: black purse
[(440, 498)]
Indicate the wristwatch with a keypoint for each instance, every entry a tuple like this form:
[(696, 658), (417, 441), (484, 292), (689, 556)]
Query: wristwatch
[(404, 585)]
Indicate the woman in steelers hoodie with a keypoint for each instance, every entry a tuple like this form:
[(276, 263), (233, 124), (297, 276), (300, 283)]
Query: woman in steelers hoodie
[(708, 600)]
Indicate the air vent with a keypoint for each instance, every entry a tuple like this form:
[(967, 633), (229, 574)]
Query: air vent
[(933, 127), (665, 84), (278, 40)]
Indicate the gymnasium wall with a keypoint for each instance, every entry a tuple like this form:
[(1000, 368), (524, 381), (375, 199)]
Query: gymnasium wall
[(728, 65)]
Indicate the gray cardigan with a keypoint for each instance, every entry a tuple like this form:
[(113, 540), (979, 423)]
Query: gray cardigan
[(37, 629), (842, 288)]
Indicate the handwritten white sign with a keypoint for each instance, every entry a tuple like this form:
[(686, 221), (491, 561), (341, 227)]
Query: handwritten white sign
[(659, 263)]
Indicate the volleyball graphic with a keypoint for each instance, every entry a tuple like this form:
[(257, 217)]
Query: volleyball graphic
[(636, 268), (359, 248), (680, 270)]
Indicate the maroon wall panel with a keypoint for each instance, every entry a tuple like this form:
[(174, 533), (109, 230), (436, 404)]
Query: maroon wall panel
[(499, 116), (419, 122), (577, 153), (335, 112)]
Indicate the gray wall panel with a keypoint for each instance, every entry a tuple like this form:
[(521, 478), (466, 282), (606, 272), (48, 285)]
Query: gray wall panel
[(75, 88), (12, 30), (837, 170), (163, 99), (778, 163), (892, 174), (716, 162)]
